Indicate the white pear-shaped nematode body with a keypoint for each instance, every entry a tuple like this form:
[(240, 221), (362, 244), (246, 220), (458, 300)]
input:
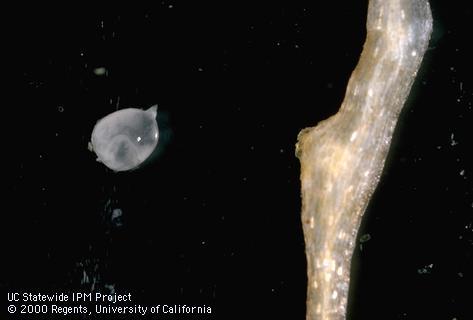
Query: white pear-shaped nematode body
[(124, 139)]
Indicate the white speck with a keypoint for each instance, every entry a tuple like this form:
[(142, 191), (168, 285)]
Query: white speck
[(353, 136), (413, 53), (326, 262), (367, 172), (334, 294), (100, 71), (156, 135), (370, 92), (462, 172), (110, 287), (312, 222), (453, 142), (315, 284), (426, 269), (170, 6), (403, 15), (138, 139), (340, 271), (116, 213)]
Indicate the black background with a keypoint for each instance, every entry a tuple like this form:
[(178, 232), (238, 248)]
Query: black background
[(215, 218)]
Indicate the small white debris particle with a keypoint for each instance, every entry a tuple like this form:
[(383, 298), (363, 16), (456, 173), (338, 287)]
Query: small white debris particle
[(353, 136), (452, 140), (116, 213), (334, 294), (325, 262), (100, 71), (425, 270)]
